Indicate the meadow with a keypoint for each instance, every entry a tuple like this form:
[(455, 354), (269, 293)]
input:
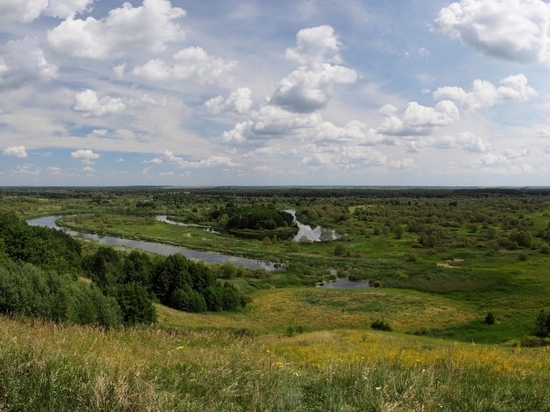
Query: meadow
[(442, 260)]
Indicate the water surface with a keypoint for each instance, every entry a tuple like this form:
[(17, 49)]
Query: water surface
[(161, 249)]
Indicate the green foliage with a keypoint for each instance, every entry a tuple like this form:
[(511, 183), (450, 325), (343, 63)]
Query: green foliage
[(340, 249), (381, 325), (542, 324), (254, 217), (490, 319), (545, 249), (43, 247), (135, 304), (30, 291), (522, 238)]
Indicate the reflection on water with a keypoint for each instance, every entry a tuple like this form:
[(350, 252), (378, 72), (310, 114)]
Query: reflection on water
[(344, 284), (317, 234), (161, 249), (164, 219)]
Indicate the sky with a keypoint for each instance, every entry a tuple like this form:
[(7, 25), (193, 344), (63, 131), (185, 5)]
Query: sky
[(250, 92)]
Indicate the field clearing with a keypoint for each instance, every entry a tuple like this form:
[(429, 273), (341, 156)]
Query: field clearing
[(315, 309)]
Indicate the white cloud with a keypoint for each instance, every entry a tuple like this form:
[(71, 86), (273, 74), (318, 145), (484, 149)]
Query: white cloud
[(88, 169), (23, 11), (271, 151), (543, 133), (26, 170), (467, 141), (120, 160), (67, 8), (54, 170), (84, 154), (238, 102), (15, 151), (515, 30), (388, 110), (343, 156), (309, 87), (315, 45), (22, 61), (119, 70), (402, 164), (490, 160), (511, 154), (485, 94), (271, 122), (191, 63), (127, 29), (420, 120), (306, 90), (168, 157), (90, 105)]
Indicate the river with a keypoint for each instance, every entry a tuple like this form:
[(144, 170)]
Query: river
[(162, 249)]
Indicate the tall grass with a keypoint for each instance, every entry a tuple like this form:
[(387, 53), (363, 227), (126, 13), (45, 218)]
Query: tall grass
[(47, 367)]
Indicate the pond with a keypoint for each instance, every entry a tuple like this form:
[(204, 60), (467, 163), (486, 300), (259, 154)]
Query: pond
[(313, 234), (344, 284), (161, 249)]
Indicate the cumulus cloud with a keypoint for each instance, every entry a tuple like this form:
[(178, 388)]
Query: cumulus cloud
[(354, 132), (543, 133), (90, 105), (127, 29), (420, 120), (292, 109), (315, 45), (402, 164), (168, 157), (238, 102), (346, 156), (309, 88), (84, 154), (22, 61), (190, 63), (67, 8), (306, 90), (271, 122), (515, 30), (271, 151), (485, 94), (491, 160), (15, 151), (468, 141), (23, 11)]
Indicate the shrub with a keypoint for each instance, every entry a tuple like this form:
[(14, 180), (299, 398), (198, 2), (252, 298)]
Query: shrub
[(490, 319), (545, 249), (381, 325)]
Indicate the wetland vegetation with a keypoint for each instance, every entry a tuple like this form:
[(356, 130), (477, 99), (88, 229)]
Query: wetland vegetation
[(439, 261)]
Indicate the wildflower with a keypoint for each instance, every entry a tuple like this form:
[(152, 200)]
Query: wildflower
[(378, 388), (267, 351), (180, 347)]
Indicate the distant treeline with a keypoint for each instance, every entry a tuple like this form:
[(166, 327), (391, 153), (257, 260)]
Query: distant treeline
[(226, 193), (41, 270)]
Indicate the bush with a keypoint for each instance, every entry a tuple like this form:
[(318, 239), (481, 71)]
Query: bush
[(381, 325), (490, 319), (545, 249)]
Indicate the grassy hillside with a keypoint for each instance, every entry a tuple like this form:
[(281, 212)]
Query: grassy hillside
[(47, 367)]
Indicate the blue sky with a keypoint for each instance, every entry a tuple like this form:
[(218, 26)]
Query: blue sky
[(312, 92)]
